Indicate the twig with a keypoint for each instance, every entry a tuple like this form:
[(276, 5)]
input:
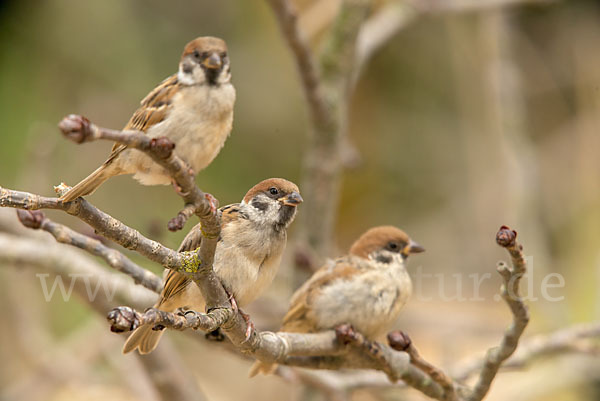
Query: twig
[(400, 341), (494, 358), (124, 318), (196, 264), (379, 29), (454, 6), (322, 350), (35, 219), (326, 85), (287, 18), (79, 129), (568, 340), (57, 259), (396, 15), (103, 224)]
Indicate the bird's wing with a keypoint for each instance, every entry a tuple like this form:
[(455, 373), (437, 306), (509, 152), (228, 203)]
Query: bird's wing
[(154, 109), (176, 282), (300, 316)]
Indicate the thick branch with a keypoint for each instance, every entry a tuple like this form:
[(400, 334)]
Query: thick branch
[(197, 264), (124, 318), (103, 224), (321, 350), (326, 85)]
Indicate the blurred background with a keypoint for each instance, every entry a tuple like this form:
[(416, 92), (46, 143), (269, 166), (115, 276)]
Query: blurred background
[(465, 120)]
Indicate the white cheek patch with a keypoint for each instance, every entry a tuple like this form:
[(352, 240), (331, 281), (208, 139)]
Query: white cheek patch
[(190, 73), (185, 78), (225, 76)]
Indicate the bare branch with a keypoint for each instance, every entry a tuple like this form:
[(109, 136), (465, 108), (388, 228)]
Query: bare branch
[(325, 83), (35, 219), (79, 129), (57, 259), (104, 224), (400, 341), (435, 6), (196, 264), (568, 340), (396, 15), (379, 29), (307, 66), (124, 318), (494, 358)]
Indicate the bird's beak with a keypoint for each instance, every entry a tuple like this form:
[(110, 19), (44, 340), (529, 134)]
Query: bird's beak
[(412, 247), (213, 61), (293, 199)]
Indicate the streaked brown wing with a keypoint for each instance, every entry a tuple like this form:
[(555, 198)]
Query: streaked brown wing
[(154, 108), (300, 316), (176, 282)]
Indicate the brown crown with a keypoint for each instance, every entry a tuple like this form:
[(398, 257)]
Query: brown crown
[(284, 186), (205, 44), (377, 238)]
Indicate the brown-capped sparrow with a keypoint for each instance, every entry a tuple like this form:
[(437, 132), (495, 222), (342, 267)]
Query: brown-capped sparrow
[(253, 237), (366, 289), (193, 108)]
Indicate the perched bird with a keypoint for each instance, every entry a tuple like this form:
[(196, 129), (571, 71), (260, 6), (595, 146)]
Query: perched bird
[(253, 237), (193, 108), (366, 289)]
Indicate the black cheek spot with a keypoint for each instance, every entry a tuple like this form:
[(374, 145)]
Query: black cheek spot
[(383, 259), (256, 203), (187, 68)]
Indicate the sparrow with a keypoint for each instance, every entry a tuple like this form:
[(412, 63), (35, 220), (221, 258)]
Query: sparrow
[(249, 250), (366, 288), (193, 108)]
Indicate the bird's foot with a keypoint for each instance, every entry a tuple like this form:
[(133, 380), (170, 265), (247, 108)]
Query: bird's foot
[(178, 189), (232, 300), (214, 203), (249, 325), (346, 334)]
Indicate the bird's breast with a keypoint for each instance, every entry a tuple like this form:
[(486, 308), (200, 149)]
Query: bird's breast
[(199, 122), (246, 262)]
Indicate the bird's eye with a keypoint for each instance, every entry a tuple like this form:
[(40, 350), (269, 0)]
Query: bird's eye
[(273, 191), (196, 54), (223, 55), (392, 246)]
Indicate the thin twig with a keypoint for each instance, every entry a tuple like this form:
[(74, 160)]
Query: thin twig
[(287, 18), (86, 273), (494, 358), (79, 129), (564, 341), (400, 341), (35, 219)]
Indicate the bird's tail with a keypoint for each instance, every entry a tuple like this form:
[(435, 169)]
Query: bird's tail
[(262, 367), (89, 184), (144, 339)]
